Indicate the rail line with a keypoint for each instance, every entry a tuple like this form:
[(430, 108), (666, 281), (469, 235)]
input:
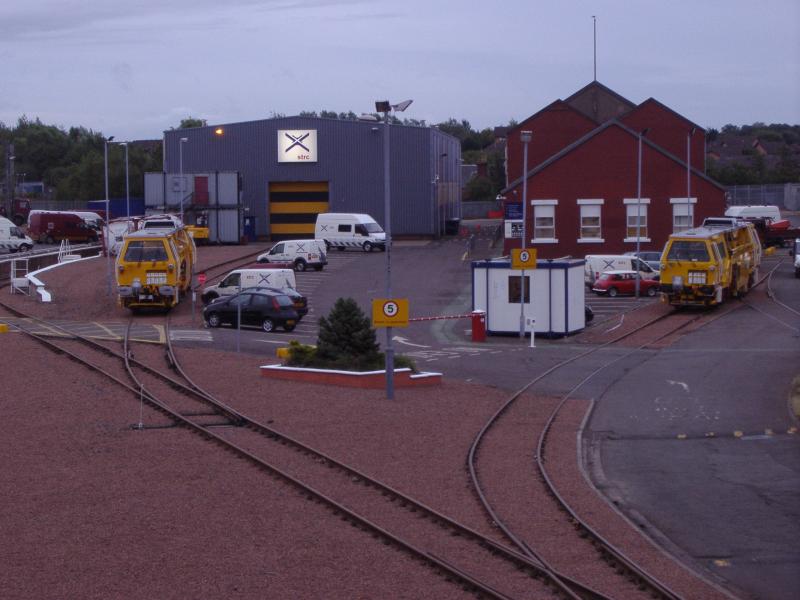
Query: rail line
[(502, 564), (613, 555)]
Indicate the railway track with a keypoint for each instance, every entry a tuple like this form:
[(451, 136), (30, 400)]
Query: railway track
[(650, 334), (465, 556)]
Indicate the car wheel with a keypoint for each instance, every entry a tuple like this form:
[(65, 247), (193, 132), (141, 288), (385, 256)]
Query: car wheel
[(299, 265), (25, 247), (651, 291), (367, 247), (214, 320), (49, 240), (288, 327), (612, 291), (267, 325)]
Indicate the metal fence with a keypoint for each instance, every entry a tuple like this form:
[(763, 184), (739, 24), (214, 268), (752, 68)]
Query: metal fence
[(785, 195)]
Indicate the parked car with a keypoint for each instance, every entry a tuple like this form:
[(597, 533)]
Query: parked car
[(651, 257), (300, 302), (596, 264), (258, 308), (250, 277), (615, 283)]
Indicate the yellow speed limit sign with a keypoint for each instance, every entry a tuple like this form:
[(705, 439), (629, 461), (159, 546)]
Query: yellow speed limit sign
[(390, 312), (523, 258)]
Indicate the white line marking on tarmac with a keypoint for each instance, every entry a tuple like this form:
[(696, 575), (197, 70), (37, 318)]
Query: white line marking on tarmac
[(685, 386)]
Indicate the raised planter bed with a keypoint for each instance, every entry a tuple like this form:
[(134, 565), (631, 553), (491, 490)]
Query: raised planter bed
[(403, 378)]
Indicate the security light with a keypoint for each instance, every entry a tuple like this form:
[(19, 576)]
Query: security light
[(383, 106)]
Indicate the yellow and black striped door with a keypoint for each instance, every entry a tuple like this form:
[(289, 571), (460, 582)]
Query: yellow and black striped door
[(294, 206)]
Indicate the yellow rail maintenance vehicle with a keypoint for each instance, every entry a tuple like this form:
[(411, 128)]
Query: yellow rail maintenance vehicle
[(154, 268), (706, 265)]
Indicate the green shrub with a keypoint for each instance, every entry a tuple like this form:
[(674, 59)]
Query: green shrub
[(346, 342)]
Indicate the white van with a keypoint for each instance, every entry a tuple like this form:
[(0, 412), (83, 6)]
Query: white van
[(301, 254), (240, 279), (12, 239), (754, 212), (600, 263), (349, 230)]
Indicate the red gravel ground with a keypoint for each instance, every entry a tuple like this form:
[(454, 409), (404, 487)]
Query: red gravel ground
[(94, 509)]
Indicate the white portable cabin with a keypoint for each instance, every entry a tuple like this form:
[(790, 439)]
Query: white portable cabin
[(555, 290)]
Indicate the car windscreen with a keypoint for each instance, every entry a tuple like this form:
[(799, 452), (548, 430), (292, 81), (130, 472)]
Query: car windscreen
[(688, 250), (373, 228), (145, 251)]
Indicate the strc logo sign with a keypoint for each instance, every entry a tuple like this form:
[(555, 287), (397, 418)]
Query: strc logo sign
[(297, 145)]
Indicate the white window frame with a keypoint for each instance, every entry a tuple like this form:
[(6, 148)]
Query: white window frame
[(590, 202), (679, 206), (545, 206), (631, 210)]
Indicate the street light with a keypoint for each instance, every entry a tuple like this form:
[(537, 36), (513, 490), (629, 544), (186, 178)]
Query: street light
[(127, 182), (180, 180), (639, 207), (386, 107), (689, 215), (525, 137), (106, 240)]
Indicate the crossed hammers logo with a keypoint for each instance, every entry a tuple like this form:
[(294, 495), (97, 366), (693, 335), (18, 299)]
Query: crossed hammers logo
[(297, 141)]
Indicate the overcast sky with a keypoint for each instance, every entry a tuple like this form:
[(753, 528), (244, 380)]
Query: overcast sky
[(133, 69)]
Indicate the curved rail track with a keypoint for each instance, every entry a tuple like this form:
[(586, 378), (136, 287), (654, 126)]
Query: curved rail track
[(350, 494), (615, 557)]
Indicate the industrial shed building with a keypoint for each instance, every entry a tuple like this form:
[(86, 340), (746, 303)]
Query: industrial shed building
[(292, 168), (583, 173)]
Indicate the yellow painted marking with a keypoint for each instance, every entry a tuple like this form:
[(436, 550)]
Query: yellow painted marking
[(3, 328), (292, 228), (162, 337), (54, 332), (288, 208), (722, 562), (681, 436), (737, 434), (113, 335)]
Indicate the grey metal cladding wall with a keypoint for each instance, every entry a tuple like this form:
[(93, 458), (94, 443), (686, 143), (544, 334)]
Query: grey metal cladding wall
[(154, 189), (350, 159)]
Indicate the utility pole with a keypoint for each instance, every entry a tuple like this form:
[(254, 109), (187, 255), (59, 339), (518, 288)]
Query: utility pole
[(9, 200)]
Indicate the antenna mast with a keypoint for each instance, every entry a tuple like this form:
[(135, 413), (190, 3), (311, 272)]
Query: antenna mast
[(594, 27)]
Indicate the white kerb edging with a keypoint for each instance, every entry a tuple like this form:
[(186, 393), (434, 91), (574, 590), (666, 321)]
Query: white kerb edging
[(39, 284)]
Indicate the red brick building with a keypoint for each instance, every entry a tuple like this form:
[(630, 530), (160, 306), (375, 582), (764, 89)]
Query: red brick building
[(583, 170)]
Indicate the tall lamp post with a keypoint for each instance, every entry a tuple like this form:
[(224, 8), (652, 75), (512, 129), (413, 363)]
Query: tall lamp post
[(689, 215), (639, 207), (108, 214), (127, 183), (386, 108), (180, 180), (525, 137)]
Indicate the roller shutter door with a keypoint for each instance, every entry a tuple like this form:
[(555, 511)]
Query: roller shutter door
[(293, 208)]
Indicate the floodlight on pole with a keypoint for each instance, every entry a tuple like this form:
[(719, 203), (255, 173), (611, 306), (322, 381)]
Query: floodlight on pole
[(386, 107), (106, 238), (180, 179), (525, 137)]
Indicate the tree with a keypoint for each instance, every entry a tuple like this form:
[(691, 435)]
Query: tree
[(346, 337), (190, 122)]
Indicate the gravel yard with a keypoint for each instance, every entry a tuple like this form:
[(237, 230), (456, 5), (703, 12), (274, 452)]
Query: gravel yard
[(95, 509)]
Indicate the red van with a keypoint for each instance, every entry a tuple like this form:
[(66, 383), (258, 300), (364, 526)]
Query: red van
[(54, 226)]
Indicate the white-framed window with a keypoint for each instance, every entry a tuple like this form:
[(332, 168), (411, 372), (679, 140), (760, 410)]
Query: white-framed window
[(682, 213), (636, 219), (590, 221), (544, 221)]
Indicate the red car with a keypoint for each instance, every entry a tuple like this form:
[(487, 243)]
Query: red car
[(615, 283)]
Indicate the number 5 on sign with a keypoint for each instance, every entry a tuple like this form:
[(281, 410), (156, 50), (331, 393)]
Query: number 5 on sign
[(390, 312), (523, 258)]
